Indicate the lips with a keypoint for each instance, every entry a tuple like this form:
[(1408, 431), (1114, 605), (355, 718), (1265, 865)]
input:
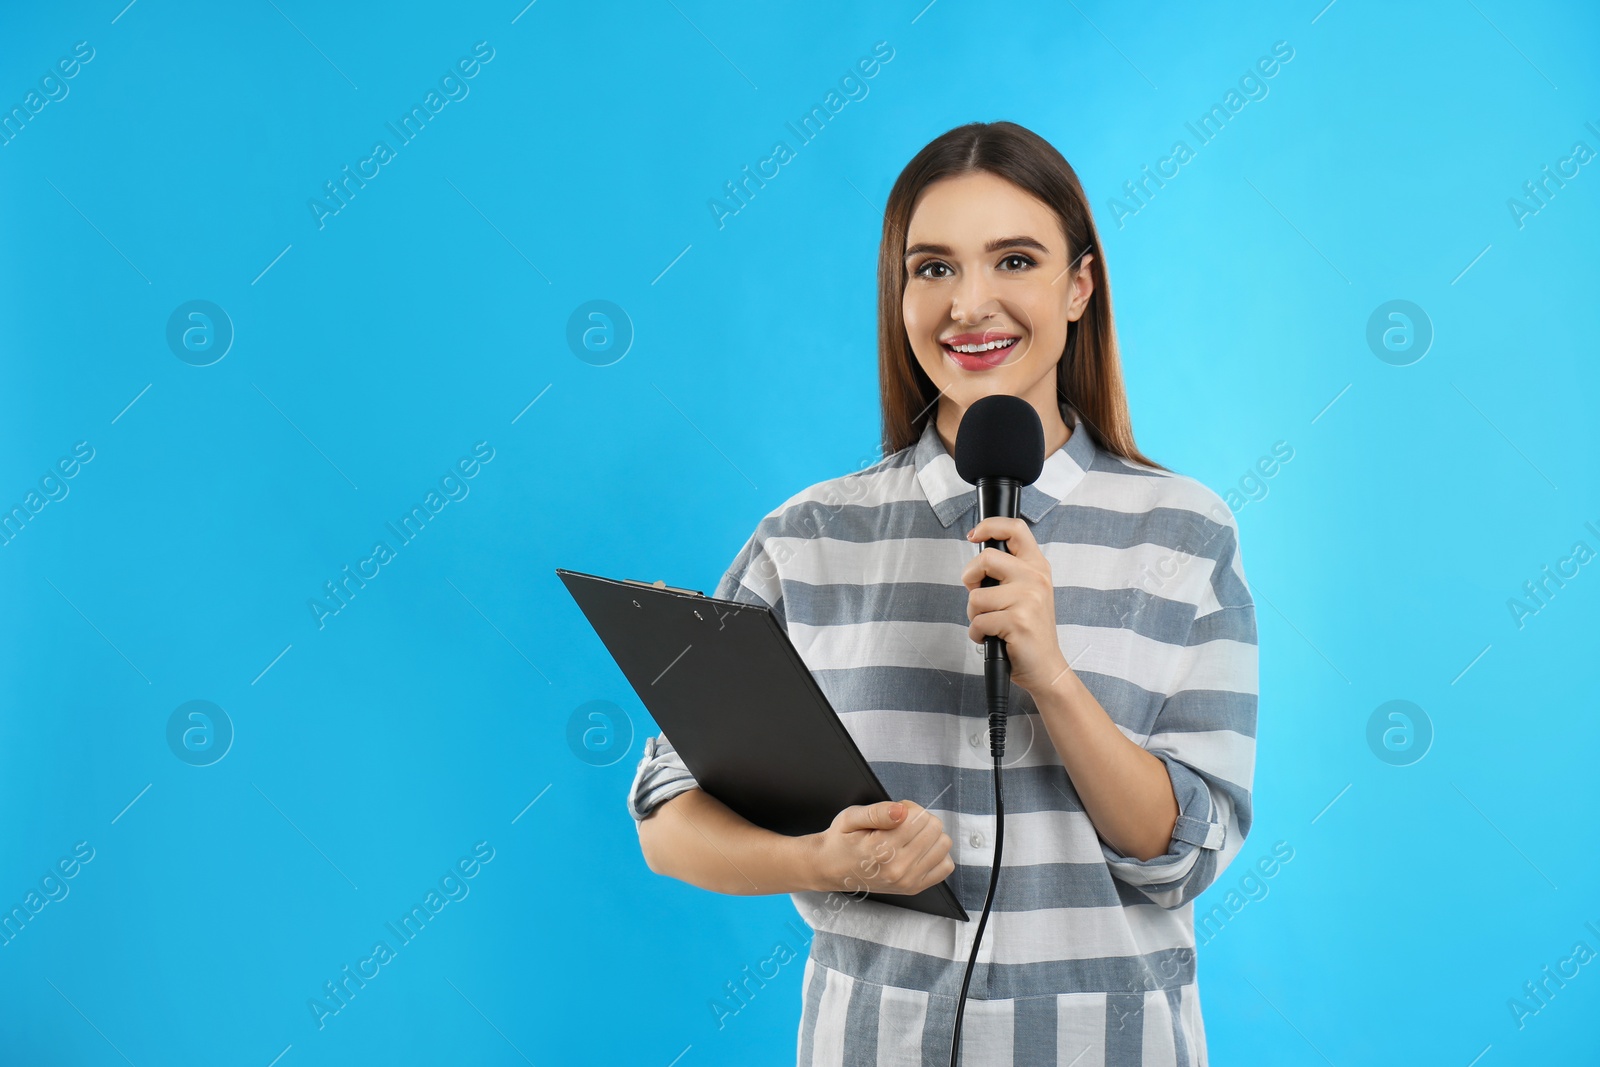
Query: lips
[(979, 360), (976, 338)]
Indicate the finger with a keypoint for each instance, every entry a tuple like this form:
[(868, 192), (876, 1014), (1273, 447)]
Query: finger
[(924, 831), (992, 563), (915, 825), (909, 855), (996, 528), (927, 869), (1018, 537), (994, 598), (880, 816), (990, 598), (1003, 621), (989, 624), (941, 869), (1015, 533), (924, 845)]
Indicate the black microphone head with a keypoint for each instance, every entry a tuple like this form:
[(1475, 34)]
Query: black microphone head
[(1000, 436)]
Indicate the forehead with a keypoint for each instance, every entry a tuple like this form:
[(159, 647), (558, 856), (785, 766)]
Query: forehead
[(966, 210)]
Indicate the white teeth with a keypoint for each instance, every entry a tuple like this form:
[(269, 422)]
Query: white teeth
[(990, 347)]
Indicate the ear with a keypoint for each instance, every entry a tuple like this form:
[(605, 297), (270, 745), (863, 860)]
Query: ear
[(1082, 288)]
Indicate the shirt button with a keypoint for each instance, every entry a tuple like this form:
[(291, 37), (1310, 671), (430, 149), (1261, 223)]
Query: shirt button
[(977, 840), (976, 739)]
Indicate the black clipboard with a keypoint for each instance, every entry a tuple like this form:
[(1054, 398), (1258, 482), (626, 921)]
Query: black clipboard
[(725, 684)]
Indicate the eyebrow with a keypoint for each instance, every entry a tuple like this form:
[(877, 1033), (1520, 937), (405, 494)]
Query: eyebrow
[(1020, 241)]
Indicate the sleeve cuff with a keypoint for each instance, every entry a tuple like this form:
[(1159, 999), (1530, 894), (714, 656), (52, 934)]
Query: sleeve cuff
[(660, 777), (1199, 826)]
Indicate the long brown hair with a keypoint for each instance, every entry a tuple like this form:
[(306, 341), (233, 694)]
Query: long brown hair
[(1089, 373)]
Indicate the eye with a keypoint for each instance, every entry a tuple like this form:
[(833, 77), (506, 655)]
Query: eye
[(923, 269)]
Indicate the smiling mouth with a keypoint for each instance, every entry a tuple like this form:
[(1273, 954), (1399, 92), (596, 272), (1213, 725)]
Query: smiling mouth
[(980, 357)]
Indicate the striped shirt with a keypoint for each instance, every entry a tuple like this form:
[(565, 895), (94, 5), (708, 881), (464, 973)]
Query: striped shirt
[(1088, 957)]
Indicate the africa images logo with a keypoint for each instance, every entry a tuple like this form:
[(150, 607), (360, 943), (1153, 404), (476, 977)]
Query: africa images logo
[(453, 87)]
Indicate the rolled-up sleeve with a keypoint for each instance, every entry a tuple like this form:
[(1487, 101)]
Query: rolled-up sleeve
[(1205, 735), (660, 777), (752, 578)]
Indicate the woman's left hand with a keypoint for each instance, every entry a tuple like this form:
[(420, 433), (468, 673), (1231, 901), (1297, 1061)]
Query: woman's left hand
[(1021, 610)]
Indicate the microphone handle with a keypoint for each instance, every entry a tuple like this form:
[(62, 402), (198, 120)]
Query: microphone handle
[(997, 496)]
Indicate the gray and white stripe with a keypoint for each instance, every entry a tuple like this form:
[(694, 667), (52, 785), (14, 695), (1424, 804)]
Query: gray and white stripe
[(1088, 957)]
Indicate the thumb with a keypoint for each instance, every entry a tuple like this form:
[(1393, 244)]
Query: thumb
[(884, 815)]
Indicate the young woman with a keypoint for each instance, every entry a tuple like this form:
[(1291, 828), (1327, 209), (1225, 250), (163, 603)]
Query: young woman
[(1131, 632)]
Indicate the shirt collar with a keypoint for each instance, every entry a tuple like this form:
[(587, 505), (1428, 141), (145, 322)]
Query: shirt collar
[(951, 496)]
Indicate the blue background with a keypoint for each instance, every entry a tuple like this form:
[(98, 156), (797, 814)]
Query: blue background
[(372, 351)]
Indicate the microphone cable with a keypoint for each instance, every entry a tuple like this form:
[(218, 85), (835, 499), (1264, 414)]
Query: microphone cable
[(1000, 450), (997, 682)]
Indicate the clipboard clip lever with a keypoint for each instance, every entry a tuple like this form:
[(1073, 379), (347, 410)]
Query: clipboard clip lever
[(660, 584)]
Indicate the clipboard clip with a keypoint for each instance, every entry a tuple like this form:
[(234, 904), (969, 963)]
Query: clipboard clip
[(660, 584)]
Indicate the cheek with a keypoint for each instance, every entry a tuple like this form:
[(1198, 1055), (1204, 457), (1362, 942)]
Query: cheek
[(1048, 327), (917, 311), (933, 365), (922, 328), (1047, 311)]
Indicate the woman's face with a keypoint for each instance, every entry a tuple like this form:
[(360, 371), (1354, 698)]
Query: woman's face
[(987, 263)]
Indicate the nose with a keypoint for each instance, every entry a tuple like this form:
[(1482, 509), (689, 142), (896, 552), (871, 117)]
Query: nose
[(973, 300)]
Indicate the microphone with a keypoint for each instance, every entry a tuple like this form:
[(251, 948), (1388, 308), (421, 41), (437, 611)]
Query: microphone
[(999, 449)]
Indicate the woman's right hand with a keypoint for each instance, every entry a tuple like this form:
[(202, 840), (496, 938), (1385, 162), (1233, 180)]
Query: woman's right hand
[(895, 846)]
